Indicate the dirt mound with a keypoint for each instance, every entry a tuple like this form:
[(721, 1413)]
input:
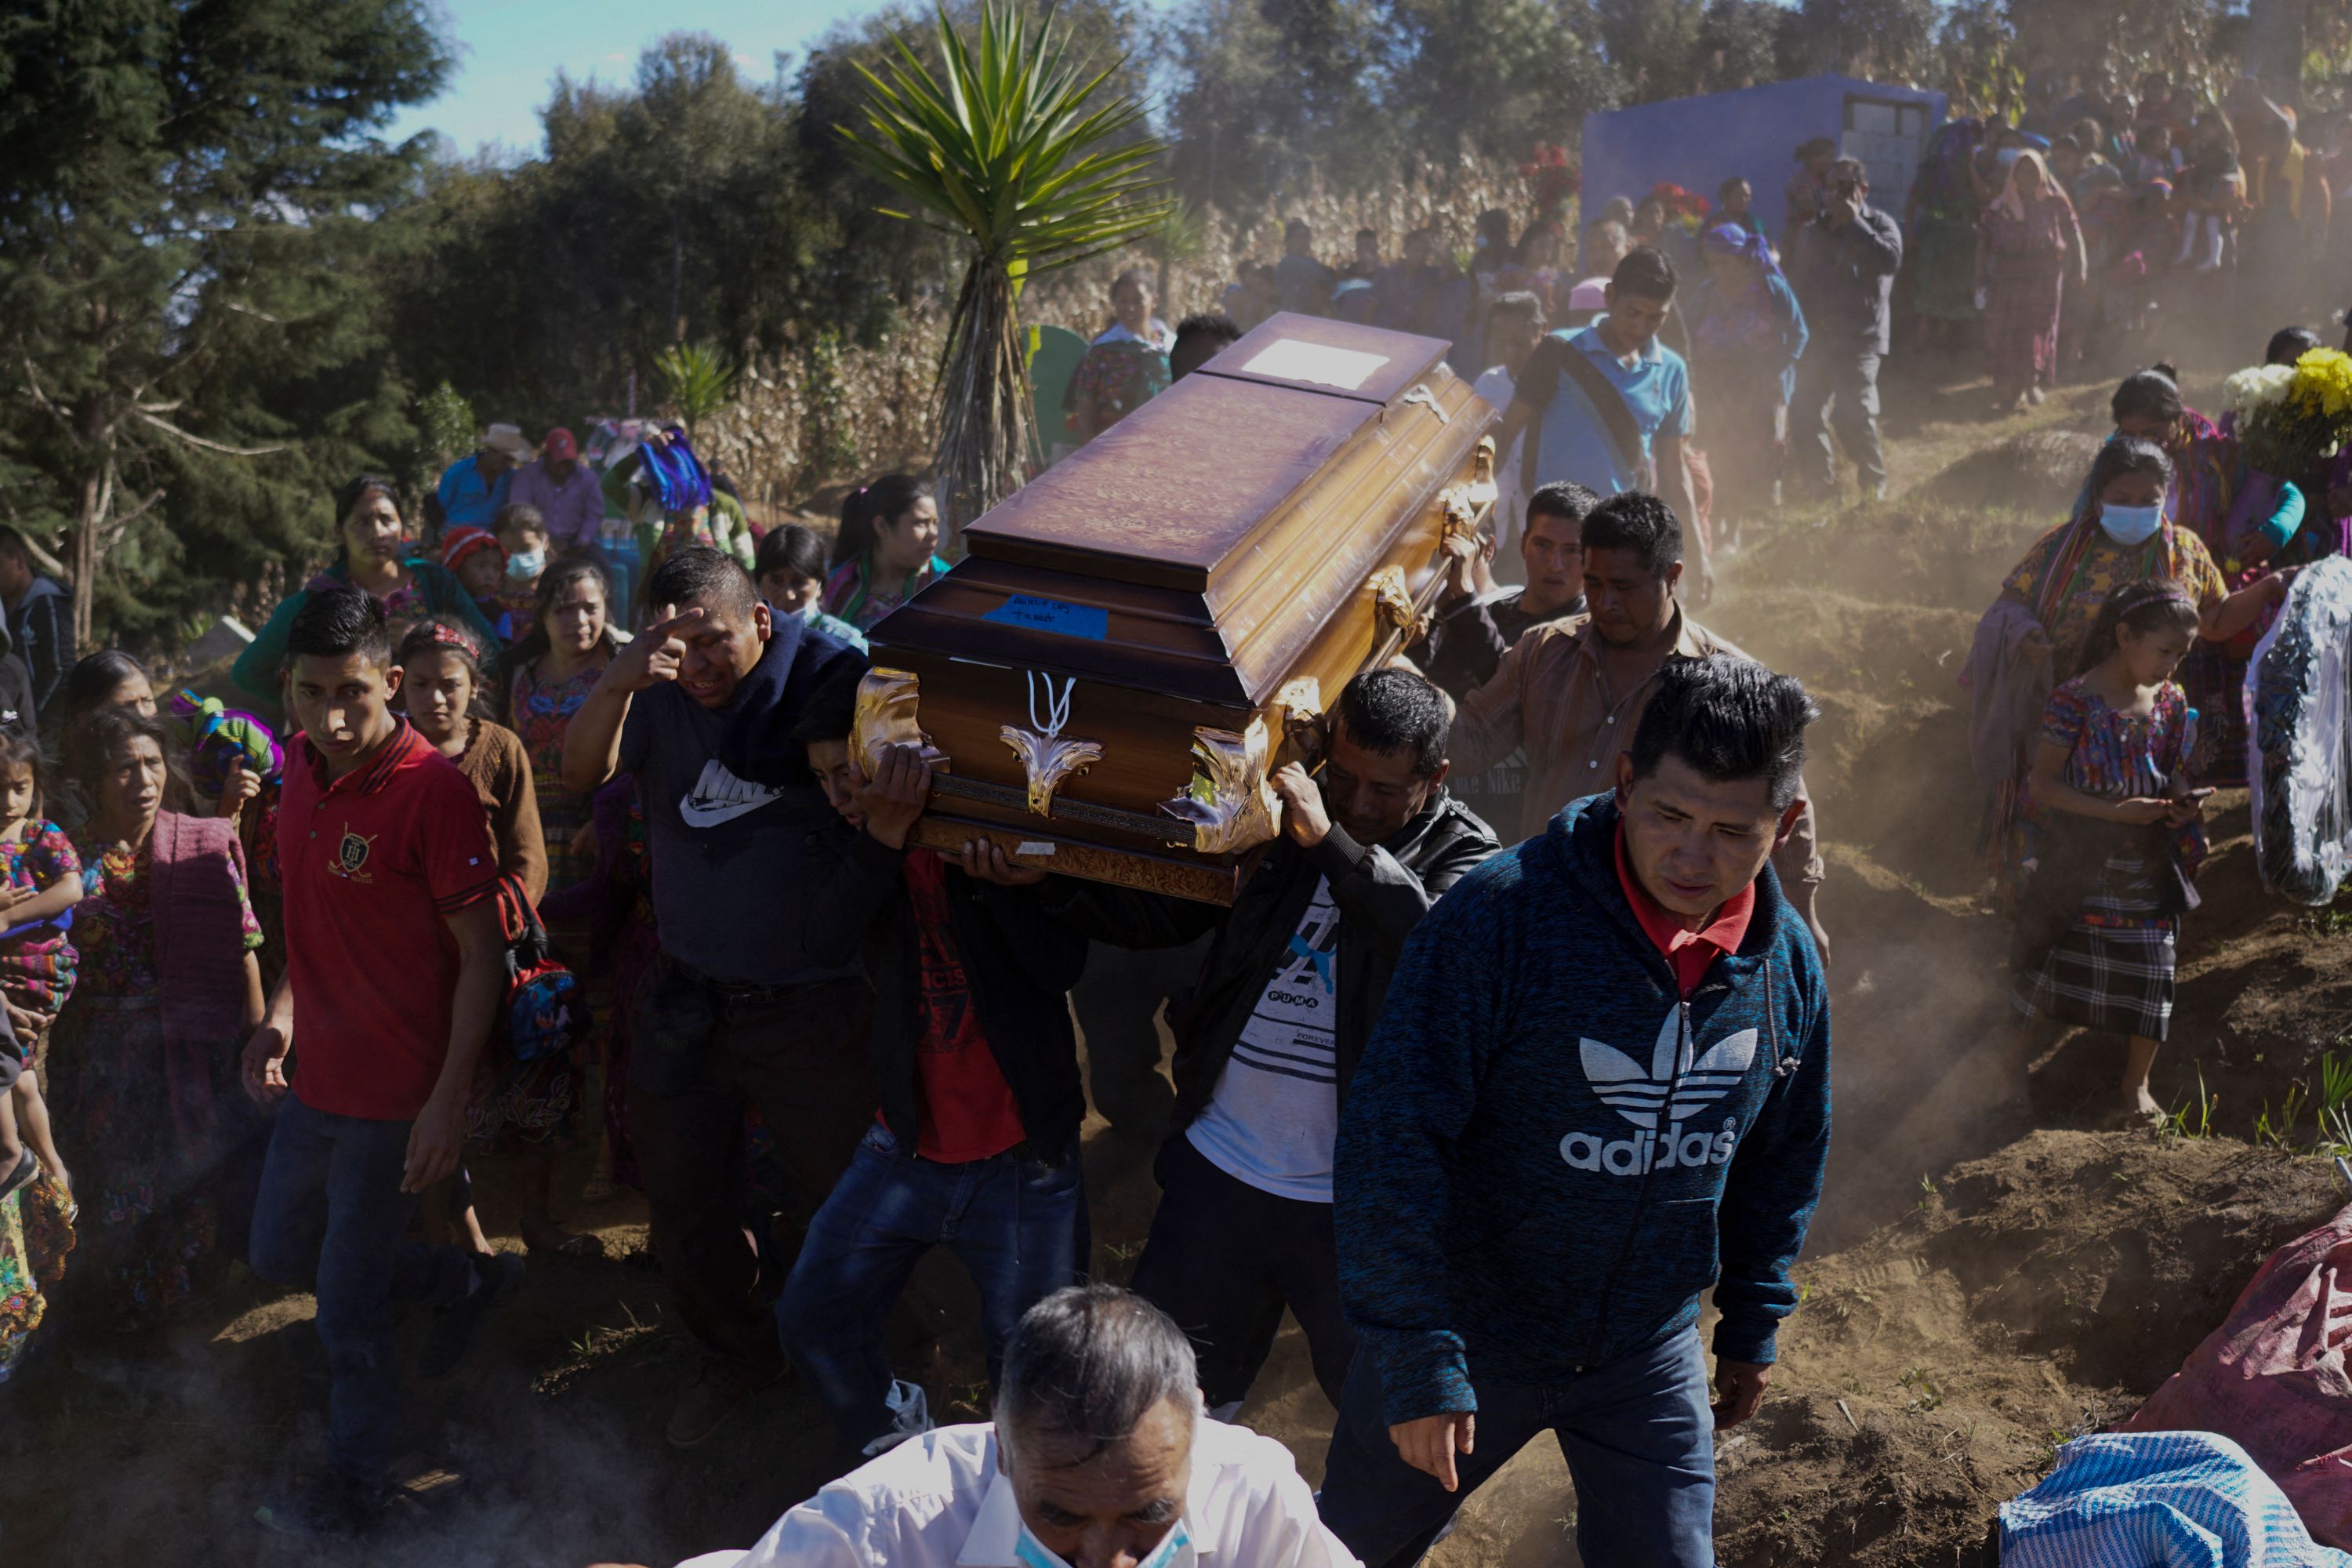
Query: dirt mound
[(2030, 1296), (2041, 470)]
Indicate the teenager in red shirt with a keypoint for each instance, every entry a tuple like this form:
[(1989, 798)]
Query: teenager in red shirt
[(395, 967), (975, 1147)]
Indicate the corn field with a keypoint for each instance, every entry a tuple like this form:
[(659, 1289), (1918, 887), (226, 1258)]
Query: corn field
[(829, 415)]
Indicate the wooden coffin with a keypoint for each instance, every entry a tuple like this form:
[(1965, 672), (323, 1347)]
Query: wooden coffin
[(1140, 637)]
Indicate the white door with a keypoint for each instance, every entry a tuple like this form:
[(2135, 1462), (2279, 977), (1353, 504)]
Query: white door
[(1888, 137)]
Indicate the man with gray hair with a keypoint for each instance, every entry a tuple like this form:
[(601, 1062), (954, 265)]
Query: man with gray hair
[(1099, 1458)]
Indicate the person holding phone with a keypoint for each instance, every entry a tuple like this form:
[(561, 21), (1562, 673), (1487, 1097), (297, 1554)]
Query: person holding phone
[(1845, 267), (2114, 836)]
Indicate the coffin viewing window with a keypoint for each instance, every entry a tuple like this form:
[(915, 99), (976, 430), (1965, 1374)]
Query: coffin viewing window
[(1292, 360)]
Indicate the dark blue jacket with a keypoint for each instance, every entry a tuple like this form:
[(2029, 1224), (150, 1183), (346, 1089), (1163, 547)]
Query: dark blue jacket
[(1548, 1154)]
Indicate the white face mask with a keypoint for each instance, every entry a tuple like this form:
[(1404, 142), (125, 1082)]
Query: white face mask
[(525, 564), (2129, 525), (1175, 1551)]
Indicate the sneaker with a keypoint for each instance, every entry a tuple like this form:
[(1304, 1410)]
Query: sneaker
[(497, 1276), (328, 1507), (723, 1385)]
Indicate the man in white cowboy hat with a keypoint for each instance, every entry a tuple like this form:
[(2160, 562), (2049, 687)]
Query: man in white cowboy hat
[(474, 487)]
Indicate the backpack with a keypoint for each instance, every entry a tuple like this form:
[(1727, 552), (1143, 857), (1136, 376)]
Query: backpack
[(546, 1010)]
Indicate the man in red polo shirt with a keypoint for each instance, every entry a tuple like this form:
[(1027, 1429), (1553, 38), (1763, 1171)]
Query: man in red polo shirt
[(396, 967)]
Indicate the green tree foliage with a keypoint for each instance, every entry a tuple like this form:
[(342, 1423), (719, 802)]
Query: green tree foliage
[(1882, 40), (658, 215), (1268, 93), (186, 230), (1495, 76)]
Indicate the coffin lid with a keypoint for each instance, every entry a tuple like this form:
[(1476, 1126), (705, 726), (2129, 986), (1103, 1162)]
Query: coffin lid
[(1175, 491), (1177, 553)]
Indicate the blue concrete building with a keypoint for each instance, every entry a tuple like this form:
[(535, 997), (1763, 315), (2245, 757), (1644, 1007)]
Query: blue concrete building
[(1699, 142)]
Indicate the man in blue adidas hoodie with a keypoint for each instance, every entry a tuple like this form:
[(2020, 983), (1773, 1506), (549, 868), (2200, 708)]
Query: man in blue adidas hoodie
[(1599, 1085)]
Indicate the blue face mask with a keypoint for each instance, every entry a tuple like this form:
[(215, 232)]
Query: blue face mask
[(525, 564), (2129, 525), (1175, 1551)]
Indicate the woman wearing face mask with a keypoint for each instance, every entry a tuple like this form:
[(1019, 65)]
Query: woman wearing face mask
[(371, 552), (2252, 528), (790, 571), (2123, 533)]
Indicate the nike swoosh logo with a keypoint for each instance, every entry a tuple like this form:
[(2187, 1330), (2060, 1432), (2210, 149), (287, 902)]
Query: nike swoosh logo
[(720, 796)]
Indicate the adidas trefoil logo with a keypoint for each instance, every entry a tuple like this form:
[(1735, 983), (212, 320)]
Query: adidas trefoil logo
[(1648, 1096)]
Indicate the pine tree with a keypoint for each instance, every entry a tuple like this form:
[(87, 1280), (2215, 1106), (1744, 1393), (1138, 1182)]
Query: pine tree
[(187, 328)]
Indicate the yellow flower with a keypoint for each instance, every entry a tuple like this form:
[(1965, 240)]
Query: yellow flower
[(2322, 381)]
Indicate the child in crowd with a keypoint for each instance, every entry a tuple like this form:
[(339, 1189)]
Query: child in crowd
[(533, 1103), (476, 558), (42, 883), (2113, 838), (522, 533), (790, 571)]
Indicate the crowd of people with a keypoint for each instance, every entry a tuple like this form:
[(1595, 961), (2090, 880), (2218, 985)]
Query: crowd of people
[(542, 841)]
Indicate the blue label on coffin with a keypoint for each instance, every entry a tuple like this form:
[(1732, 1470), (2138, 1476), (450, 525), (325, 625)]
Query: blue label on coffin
[(1089, 621)]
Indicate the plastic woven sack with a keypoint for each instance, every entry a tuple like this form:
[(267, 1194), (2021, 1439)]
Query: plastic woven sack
[(2272, 1378), (2299, 762)]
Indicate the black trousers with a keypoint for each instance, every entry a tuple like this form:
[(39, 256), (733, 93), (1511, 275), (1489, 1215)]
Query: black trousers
[(1117, 1003), (1225, 1257)]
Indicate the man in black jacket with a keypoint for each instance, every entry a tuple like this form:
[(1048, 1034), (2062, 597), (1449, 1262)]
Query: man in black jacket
[(976, 1148), (1274, 1026), (1845, 265)]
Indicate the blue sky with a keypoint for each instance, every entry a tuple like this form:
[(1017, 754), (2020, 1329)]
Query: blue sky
[(509, 52)]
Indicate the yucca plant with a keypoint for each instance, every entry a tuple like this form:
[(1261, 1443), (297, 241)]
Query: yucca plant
[(695, 381), (1010, 150)]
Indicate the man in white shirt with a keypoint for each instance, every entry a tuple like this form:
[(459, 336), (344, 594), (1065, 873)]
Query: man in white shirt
[(1286, 999), (1099, 1456)]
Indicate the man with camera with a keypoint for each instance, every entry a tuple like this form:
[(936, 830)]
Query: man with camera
[(1844, 263)]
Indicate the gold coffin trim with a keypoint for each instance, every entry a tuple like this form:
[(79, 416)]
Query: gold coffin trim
[(1393, 606), (1229, 804), (1047, 760), (888, 714)]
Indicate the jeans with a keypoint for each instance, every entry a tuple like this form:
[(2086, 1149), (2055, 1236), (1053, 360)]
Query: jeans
[(1116, 1002), (1637, 1435), (803, 1059), (330, 1219), (1018, 1226), (1850, 381), (1225, 1257)]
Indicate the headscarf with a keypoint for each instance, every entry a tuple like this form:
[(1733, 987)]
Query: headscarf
[(2012, 201), (1731, 240)]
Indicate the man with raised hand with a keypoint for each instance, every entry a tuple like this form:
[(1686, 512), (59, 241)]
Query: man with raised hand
[(700, 708), (1525, 1226)]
